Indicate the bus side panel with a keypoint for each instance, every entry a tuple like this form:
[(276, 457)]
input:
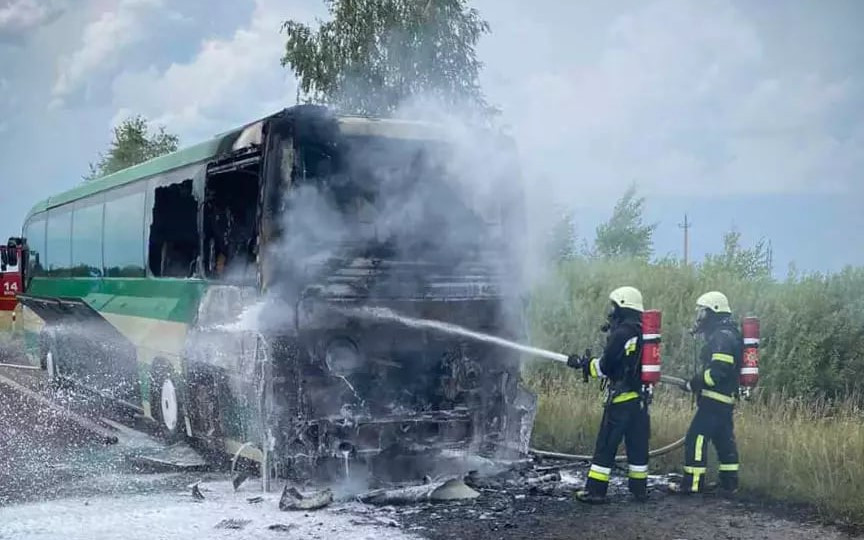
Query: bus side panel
[(150, 317)]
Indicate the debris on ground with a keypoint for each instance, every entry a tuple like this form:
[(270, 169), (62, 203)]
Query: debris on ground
[(442, 490), (176, 457), (294, 500), (279, 527), (233, 523), (149, 454), (238, 479)]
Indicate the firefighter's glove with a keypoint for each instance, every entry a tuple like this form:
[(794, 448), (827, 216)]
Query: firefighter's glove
[(694, 384), (586, 368), (580, 362)]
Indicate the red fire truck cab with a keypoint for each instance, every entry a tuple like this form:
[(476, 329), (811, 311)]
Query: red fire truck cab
[(12, 264)]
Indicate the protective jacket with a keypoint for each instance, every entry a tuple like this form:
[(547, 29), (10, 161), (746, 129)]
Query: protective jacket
[(625, 415), (621, 358), (721, 361), (717, 385)]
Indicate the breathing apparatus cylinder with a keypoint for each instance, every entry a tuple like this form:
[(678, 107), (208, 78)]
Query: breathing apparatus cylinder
[(651, 363), (749, 375)]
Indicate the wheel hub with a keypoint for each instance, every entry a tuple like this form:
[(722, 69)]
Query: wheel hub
[(168, 402)]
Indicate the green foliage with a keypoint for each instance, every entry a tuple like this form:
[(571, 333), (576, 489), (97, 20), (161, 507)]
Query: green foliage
[(812, 327), (795, 437), (752, 263), (562, 238), (373, 54), (625, 235), (132, 144)]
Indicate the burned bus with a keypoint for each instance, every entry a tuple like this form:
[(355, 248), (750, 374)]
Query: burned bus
[(227, 293)]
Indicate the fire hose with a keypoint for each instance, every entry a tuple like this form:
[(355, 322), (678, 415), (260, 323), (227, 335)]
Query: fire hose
[(676, 381)]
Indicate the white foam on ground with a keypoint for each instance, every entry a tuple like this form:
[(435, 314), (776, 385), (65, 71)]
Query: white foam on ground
[(572, 477), (169, 516)]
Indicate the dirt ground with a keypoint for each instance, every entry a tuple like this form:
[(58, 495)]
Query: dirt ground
[(48, 462), (562, 517)]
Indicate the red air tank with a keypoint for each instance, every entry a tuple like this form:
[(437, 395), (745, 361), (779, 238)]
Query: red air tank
[(750, 363), (651, 321)]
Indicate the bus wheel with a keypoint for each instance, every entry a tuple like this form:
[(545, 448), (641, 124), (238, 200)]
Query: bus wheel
[(165, 403)]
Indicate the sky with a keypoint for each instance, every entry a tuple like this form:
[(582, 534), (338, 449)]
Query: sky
[(745, 115)]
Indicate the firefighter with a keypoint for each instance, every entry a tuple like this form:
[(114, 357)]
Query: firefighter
[(716, 385), (625, 414)]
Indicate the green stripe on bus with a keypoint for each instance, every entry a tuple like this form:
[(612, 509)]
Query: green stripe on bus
[(152, 298)]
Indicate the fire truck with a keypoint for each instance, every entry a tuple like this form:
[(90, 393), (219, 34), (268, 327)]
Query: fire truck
[(11, 280)]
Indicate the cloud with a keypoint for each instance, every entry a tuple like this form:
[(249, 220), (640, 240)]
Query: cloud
[(103, 43), (684, 98), (20, 17), (229, 81)]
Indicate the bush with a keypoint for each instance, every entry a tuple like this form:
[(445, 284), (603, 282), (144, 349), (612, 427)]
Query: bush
[(812, 327)]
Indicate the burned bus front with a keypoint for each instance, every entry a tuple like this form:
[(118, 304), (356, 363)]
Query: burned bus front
[(385, 230)]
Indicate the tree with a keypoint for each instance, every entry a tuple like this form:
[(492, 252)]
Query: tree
[(132, 144), (752, 263), (374, 54), (625, 235), (561, 243)]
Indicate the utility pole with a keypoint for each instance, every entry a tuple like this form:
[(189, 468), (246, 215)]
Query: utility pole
[(686, 226)]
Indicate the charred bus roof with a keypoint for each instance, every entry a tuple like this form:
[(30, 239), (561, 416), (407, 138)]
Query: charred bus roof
[(248, 135)]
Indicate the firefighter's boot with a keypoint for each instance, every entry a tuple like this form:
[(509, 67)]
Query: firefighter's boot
[(596, 486), (728, 481), (585, 496), (637, 482)]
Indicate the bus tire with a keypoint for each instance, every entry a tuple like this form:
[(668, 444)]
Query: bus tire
[(166, 404)]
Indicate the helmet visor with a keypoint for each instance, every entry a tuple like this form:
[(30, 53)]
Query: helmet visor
[(702, 315), (610, 316)]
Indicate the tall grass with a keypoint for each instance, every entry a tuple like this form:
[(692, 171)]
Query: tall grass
[(790, 449), (801, 440), (569, 414), (812, 326)]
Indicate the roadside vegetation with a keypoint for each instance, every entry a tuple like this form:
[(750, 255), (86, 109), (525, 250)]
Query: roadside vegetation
[(792, 449), (800, 437)]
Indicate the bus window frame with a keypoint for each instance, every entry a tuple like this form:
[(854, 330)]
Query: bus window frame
[(118, 193), (29, 273), (195, 172), (59, 210), (87, 202)]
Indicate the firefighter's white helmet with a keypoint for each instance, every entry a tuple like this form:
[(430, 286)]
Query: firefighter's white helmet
[(715, 301), (627, 297)]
